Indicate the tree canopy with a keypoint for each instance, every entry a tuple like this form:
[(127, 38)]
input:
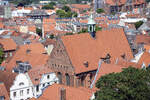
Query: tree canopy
[(39, 31), (1, 55), (49, 6), (99, 11), (66, 9), (66, 12), (130, 84), (24, 2), (138, 24)]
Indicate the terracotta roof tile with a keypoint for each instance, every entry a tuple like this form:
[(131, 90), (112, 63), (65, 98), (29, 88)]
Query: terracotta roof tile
[(81, 6), (8, 44), (33, 53), (145, 58), (7, 78), (53, 93), (143, 39), (82, 47), (3, 91)]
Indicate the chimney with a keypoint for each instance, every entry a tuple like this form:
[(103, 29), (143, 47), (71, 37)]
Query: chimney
[(62, 94), (86, 63)]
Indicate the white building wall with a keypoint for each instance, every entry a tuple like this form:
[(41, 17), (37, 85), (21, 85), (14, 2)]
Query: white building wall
[(46, 80), (22, 88)]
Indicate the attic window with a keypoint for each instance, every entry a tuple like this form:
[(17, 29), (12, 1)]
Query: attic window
[(86, 63), (36, 79), (18, 61), (28, 51), (123, 56), (21, 83)]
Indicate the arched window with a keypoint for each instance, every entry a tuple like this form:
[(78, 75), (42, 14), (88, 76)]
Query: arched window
[(21, 83), (59, 77), (67, 79)]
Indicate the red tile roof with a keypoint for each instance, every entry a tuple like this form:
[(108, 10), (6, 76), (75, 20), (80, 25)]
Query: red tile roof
[(81, 6), (3, 91), (53, 93), (7, 78), (82, 48), (35, 56), (8, 44), (143, 39), (145, 58)]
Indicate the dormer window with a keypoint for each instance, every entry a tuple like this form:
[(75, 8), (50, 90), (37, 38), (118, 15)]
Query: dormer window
[(20, 84), (28, 51), (86, 63), (123, 56)]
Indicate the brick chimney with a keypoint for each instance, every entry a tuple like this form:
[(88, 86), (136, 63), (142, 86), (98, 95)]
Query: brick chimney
[(62, 94)]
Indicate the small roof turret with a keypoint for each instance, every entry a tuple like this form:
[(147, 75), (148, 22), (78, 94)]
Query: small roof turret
[(91, 20)]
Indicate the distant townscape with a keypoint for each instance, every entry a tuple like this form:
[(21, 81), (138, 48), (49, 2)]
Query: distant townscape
[(74, 49)]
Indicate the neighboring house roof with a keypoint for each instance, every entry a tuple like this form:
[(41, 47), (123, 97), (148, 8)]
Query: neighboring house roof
[(122, 2), (32, 53), (145, 58), (7, 78), (109, 68), (145, 26), (83, 48), (8, 44), (81, 6), (72, 93), (3, 91), (144, 39)]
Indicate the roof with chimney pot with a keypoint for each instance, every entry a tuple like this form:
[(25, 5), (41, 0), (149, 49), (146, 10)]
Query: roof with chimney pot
[(82, 47), (72, 93), (8, 44), (33, 53)]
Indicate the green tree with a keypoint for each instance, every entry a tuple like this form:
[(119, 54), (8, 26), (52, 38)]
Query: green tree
[(130, 84), (138, 24), (39, 31), (66, 9), (52, 36), (61, 13), (68, 14), (97, 28), (48, 7), (69, 34), (75, 14), (52, 3), (1, 55), (83, 30), (99, 11)]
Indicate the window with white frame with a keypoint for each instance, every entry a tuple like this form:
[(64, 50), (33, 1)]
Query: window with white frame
[(14, 94), (21, 92), (28, 91)]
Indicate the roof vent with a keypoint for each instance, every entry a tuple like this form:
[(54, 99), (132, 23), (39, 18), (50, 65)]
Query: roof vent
[(123, 56), (86, 63), (107, 59), (28, 51)]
